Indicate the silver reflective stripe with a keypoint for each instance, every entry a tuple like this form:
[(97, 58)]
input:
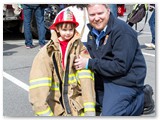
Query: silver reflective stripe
[(72, 79), (85, 74), (55, 86), (40, 82), (90, 106)]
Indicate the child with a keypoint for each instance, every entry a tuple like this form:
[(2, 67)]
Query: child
[(56, 88)]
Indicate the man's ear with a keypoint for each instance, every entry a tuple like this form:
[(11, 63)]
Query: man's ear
[(109, 10)]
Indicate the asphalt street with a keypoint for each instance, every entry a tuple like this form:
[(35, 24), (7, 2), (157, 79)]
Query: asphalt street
[(17, 61)]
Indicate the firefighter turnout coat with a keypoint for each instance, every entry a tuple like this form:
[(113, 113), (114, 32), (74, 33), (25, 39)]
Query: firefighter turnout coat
[(66, 93)]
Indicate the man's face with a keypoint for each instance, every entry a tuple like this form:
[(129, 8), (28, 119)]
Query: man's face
[(98, 16)]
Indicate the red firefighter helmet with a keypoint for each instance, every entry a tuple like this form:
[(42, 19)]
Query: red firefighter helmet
[(64, 16)]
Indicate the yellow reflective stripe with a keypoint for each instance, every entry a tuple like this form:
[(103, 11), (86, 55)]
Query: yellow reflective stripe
[(89, 106), (72, 79), (55, 86), (87, 103), (43, 78), (42, 85), (89, 109), (46, 112), (45, 81), (82, 114), (85, 74)]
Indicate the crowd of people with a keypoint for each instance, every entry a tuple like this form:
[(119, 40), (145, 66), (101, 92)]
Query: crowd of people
[(103, 76)]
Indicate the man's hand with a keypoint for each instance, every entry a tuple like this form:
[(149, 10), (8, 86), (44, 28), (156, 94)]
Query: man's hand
[(80, 63)]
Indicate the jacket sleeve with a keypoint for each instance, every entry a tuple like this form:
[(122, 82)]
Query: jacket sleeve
[(121, 60), (40, 82), (88, 93), (87, 85), (83, 50)]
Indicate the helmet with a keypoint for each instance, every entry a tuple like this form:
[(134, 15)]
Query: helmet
[(64, 16)]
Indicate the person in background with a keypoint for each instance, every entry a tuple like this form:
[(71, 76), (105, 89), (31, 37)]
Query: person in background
[(56, 87), (28, 10), (152, 26), (118, 64), (113, 8)]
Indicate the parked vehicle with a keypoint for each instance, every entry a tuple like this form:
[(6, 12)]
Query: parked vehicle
[(12, 17)]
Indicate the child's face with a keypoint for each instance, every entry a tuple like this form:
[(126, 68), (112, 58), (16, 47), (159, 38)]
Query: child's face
[(66, 32)]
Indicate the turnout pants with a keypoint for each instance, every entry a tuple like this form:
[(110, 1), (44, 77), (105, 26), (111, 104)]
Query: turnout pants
[(121, 101)]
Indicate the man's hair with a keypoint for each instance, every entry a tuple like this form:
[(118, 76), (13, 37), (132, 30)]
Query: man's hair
[(88, 5)]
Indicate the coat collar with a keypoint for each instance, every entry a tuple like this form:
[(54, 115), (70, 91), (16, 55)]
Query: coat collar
[(54, 43)]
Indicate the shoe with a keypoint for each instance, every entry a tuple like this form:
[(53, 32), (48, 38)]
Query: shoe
[(148, 100), (29, 46), (150, 45)]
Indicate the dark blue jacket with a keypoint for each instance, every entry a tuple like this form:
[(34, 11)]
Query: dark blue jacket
[(119, 59)]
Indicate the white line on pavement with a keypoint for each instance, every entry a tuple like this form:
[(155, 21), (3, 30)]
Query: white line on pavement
[(148, 54), (143, 36), (145, 32), (15, 81)]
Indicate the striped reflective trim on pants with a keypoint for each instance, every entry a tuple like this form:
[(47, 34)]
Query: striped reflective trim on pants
[(46, 112), (89, 106), (55, 86), (45, 81)]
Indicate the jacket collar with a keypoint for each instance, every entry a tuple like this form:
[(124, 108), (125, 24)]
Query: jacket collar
[(54, 43)]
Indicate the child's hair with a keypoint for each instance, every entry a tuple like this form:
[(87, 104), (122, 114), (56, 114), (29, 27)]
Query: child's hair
[(66, 25)]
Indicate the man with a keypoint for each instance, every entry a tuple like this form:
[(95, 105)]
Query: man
[(113, 8), (118, 64)]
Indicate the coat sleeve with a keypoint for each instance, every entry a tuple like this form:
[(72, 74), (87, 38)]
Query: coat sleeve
[(86, 77), (88, 93), (40, 82), (83, 51), (120, 61)]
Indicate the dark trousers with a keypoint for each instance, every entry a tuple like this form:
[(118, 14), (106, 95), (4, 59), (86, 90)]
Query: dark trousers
[(120, 101)]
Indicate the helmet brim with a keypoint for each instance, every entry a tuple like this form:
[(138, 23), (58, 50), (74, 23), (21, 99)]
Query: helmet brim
[(53, 26)]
